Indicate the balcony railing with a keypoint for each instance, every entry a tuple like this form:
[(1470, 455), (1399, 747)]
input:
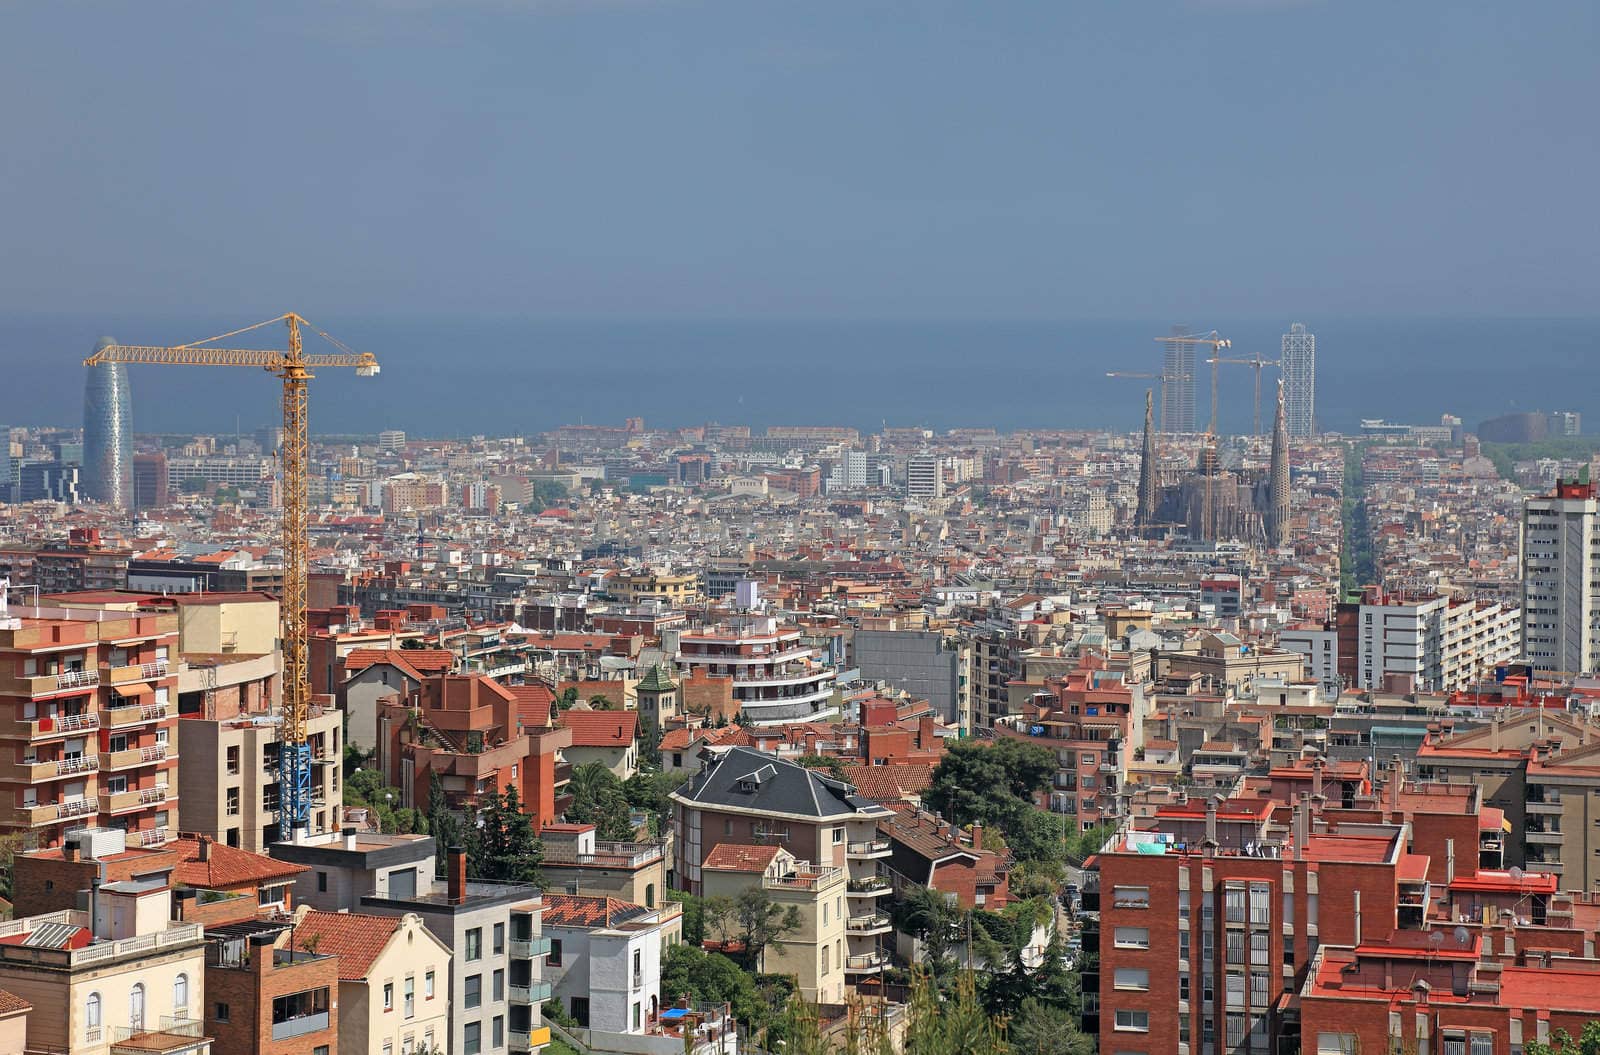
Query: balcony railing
[(868, 963), (299, 1027), (867, 924), (527, 949), (155, 837), (136, 672), (173, 1035), (872, 848), (532, 993), (75, 808), (868, 887)]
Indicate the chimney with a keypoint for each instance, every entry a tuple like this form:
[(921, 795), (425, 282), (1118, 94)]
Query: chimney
[(1301, 810), (1449, 861), (1211, 821), (456, 875), (349, 838), (1494, 734), (69, 849), (1316, 777), (1397, 777), (1358, 916), (977, 835), (94, 899), (204, 848)]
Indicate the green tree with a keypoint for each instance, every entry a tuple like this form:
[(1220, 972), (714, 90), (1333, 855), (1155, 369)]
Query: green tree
[(762, 921), (1035, 835), (991, 783), (447, 827), (602, 702), (649, 745), (651, 792), (1042, 1029), (933, 918), (1561, 1042), (503, 844), (694, 916), (799, 1029), (712, 978), (598, 798), (366, 789), (953, 1023)]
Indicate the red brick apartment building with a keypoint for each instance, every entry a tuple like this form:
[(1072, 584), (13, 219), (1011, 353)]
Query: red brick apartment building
[(87, 723)]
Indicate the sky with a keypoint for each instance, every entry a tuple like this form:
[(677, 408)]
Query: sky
[(825, 159)]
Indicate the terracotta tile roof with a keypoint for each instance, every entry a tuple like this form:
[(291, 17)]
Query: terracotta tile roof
[(735, 857), (11, 1003), (356, 939), (890, 783), (601, 728), (414, 663), (581, 910), (227, 866), (533, 703)]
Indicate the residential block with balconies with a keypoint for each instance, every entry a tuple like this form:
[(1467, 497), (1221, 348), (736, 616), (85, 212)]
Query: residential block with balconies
[(775, 677), (87, 723)]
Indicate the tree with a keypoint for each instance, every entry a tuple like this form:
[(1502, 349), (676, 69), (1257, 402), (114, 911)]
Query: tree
[(1561, 1042), (694, 916), (365, 789), (950, 1024), (598, 798), (568, 698), (446, 825), (991, 783), (503, 845), (762, 921), (711, 978), (649, 745), (1035, 835), (933, 918), (1040, 1029), (799, 1029), (652, 792), (602, 702)]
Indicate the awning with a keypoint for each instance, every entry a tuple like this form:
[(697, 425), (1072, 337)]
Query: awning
[(134, 691)]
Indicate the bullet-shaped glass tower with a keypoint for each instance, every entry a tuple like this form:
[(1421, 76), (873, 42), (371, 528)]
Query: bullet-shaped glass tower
[(108, 433)]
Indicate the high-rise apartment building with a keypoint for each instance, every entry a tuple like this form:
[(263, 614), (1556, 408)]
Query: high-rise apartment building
[(775, 676), (1177, 393), (87, 695), (6, 475), (924, 476), (1300, 381), (391, 441), (1560, 561), (108, 433)]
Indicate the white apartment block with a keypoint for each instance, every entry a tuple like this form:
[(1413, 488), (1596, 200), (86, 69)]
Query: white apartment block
[(1560, 563), (1440, 644)]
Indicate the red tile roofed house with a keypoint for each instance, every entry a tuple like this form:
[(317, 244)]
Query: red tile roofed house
[(934, 853), (367, 675), (378, 951), (264, 884), (904, 782), (468, 730), (607, 737)]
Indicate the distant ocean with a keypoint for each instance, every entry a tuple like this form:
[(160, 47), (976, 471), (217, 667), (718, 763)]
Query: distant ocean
[(447, 377)]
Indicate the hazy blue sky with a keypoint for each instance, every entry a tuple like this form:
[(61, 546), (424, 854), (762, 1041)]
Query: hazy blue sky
[(927, 158)]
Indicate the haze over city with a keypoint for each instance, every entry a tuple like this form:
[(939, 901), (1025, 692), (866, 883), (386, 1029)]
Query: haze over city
[(842, 528)]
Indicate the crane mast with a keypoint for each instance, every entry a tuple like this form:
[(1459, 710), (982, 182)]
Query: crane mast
[(295, 368), (1210, 456)]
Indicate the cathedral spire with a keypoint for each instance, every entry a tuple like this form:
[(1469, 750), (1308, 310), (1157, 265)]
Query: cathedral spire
[(1277, 518), (1146, 513)]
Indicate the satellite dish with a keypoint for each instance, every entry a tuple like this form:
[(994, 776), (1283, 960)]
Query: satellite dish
[(1463, 937), (1436, 939), (1515, 873)]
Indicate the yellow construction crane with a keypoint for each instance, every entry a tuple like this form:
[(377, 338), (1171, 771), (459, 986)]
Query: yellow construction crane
[(1259, 364), (1209, 456), (1161, 380), (295, 367)]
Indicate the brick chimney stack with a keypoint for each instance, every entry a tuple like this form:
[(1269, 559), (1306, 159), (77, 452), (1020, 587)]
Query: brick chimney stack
[(456, 875)]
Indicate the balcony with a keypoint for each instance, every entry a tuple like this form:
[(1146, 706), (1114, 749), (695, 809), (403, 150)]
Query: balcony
[(55, 726), (528, 1040), (46, 684), (532, 993), (133, 757), (867, 963), (135, 714), (155, 837), (868, 851), (876, 923), (299, 1027), (529, 948), (135, 672), (34, 772), (1542, 837), (175, 1036), (877, 886), (1546, 808)]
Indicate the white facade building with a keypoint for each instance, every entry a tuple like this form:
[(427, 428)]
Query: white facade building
[(1559, 590), (1299, 352)]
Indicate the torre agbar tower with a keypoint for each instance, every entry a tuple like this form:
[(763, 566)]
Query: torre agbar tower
[(108, 434)]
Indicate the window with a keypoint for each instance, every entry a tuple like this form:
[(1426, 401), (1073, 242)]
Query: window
[(475, 944), (1338, 1044), (838, 836), (180, 996), (1234, 1035), (136, 1008), (1234, 904), (554, 959), (1259, 981), (1234, 989), (233, 761), (499, 938), (1132, 978), (824, 959), (1235, 942), (322, 882), (1132, 938), (320, 1049), (499, 990), (636, 1021), (410, 995), (1183, 987), (91, 1015), (498, 1034), (1133, 1021), (427, 986), (1455, 1044), (1130, 897), (472, 1038), (388, 996), (222, 1012), (1258, 949), (472, 991), (1481, 1044)]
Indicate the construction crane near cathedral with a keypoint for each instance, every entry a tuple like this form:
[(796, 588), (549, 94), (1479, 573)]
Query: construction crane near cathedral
[(295, 367), (1258, 364), (1161, 379), (1210, 461)]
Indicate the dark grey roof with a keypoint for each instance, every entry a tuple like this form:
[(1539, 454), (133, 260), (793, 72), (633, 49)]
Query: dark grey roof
[(754, 780)]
